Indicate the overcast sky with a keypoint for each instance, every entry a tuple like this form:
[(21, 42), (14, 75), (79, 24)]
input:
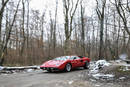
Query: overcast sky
[(49, 5)]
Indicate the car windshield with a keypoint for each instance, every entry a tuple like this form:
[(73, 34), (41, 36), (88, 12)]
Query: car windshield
[(62, 58)]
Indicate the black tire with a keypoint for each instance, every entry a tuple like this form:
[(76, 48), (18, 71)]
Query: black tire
[(86, 66), (68, 67)]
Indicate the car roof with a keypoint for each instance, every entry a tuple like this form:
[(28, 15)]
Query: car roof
[(69, 56)]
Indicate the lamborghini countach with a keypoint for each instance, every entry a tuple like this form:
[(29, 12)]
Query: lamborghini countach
[(66, 63)]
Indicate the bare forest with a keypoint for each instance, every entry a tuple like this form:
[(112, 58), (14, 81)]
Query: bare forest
[(29, 36)]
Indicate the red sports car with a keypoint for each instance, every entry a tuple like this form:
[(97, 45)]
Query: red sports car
[(65, 63)]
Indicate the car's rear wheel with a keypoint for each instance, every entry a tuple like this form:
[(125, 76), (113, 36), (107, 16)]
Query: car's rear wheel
[(86, 66), (68, 67)]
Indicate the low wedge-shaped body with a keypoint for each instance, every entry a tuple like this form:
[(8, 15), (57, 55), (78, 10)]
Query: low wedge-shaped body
[(65, 63)]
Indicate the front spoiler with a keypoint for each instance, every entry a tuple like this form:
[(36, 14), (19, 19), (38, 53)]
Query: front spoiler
[(49, 68)]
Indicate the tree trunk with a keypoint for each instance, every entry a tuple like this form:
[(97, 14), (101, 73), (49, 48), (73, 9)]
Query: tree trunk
[(8, 37), (82, 31)]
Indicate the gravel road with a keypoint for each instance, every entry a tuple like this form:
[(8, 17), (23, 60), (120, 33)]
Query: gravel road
[(41, 78)]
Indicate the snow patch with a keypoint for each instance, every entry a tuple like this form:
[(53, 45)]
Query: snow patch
[(1, 68), (125, 68), (118, 61), (123, 56), (14, 70), (93, 80), (70, 82), (103, 76), (95, 66), (30, 70), (122, 78), (102, 63), (127, 65), (97, 85)]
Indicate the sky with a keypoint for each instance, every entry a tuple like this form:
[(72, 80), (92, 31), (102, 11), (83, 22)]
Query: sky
[(49, 6)]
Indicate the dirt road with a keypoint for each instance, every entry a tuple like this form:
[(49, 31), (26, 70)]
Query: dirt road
[(41, 78)]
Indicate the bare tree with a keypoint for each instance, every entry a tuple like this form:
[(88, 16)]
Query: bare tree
[(28, 22), (54, 32), (3, 4), (82, 29), (23, 30), (4, 47), (122, 13), (100, 12), (69, 12)]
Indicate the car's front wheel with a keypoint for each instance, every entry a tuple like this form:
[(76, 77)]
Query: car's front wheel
[(68, 67)]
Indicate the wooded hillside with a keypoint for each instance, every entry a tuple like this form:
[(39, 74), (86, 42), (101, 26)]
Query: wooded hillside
[(29, 37)]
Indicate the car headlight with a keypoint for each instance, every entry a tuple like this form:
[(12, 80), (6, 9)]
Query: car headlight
[(43, 64)]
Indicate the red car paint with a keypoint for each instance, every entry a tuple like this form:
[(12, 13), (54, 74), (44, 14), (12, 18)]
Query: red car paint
[(60, 64)]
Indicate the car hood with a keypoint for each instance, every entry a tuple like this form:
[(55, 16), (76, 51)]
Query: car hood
[(53, 63)]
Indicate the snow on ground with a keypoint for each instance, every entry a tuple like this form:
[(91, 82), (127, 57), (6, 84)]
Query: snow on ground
[(70, 82), (109, 71), (25, 69), (30, 70), (122, 78), (124, 64), (126, 67), (123, 56), (118, 61), (103, 76), (102, 63), (1, 68), (98, 65)]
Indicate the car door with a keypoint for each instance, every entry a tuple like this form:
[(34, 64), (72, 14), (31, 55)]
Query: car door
[(76, 62), (73, 61), (79, 62)]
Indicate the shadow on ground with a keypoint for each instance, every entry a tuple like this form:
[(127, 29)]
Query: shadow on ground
[(60, 72)]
